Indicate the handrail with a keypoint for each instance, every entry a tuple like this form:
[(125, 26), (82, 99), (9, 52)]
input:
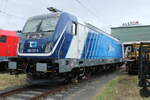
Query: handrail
[(61, 47)]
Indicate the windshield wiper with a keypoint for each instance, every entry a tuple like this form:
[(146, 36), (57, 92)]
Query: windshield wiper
[(48, 31), (28, 32)]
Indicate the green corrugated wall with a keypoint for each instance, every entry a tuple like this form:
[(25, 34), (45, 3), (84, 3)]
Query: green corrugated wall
[(134, 33)]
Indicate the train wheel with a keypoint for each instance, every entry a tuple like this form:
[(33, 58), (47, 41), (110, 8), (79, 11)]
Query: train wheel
[(75, 79), (88, 75), (128, 68), (72, 77), (75, 75), (68, 78), (142, 83)]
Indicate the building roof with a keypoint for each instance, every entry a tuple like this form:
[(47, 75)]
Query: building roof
[(134, 26), (132, 33)]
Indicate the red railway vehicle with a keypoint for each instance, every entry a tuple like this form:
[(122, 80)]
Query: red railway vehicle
[(8, 45)]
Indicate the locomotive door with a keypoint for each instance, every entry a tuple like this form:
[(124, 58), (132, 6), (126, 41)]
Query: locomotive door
[(12, 46), (82, 33), (3, 45)]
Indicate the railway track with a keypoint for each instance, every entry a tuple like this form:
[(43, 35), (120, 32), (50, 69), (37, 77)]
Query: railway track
[(38, 92), (50, 92), (13, 91)]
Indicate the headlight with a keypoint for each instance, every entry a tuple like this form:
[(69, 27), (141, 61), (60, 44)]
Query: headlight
[(20, 47), (48, 47)]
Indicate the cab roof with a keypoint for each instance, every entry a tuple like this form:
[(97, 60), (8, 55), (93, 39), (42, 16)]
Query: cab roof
[(8, 33)]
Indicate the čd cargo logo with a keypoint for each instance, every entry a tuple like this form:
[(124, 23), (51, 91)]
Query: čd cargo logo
[(33, 44)]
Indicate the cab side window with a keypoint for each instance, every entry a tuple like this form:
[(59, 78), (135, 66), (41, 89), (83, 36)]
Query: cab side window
[(3, 39), (74, 28)]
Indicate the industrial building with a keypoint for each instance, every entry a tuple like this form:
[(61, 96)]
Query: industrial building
[(132, 33)]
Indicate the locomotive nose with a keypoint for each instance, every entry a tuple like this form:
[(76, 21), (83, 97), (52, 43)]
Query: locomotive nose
[(36, 46)]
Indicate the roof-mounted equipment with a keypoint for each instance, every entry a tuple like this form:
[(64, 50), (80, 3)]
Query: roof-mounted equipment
[(54, 10)]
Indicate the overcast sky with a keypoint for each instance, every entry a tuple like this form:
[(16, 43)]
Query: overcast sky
[(101, 13)]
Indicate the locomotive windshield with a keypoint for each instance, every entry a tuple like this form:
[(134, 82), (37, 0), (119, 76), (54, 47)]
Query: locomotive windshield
[(41, 24)]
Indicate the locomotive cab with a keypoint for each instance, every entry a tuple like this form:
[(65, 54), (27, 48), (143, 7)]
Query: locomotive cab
[(39, 32), (45, 39), (45, 35)]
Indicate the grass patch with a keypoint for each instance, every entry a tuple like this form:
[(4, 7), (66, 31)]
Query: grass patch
[(7, 81), (123, 87)]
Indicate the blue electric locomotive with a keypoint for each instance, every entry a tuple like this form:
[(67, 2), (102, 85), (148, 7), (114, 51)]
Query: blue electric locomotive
[(60, 44)]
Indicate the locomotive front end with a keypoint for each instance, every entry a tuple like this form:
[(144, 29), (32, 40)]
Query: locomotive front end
[(36, 50), (38, 36)]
